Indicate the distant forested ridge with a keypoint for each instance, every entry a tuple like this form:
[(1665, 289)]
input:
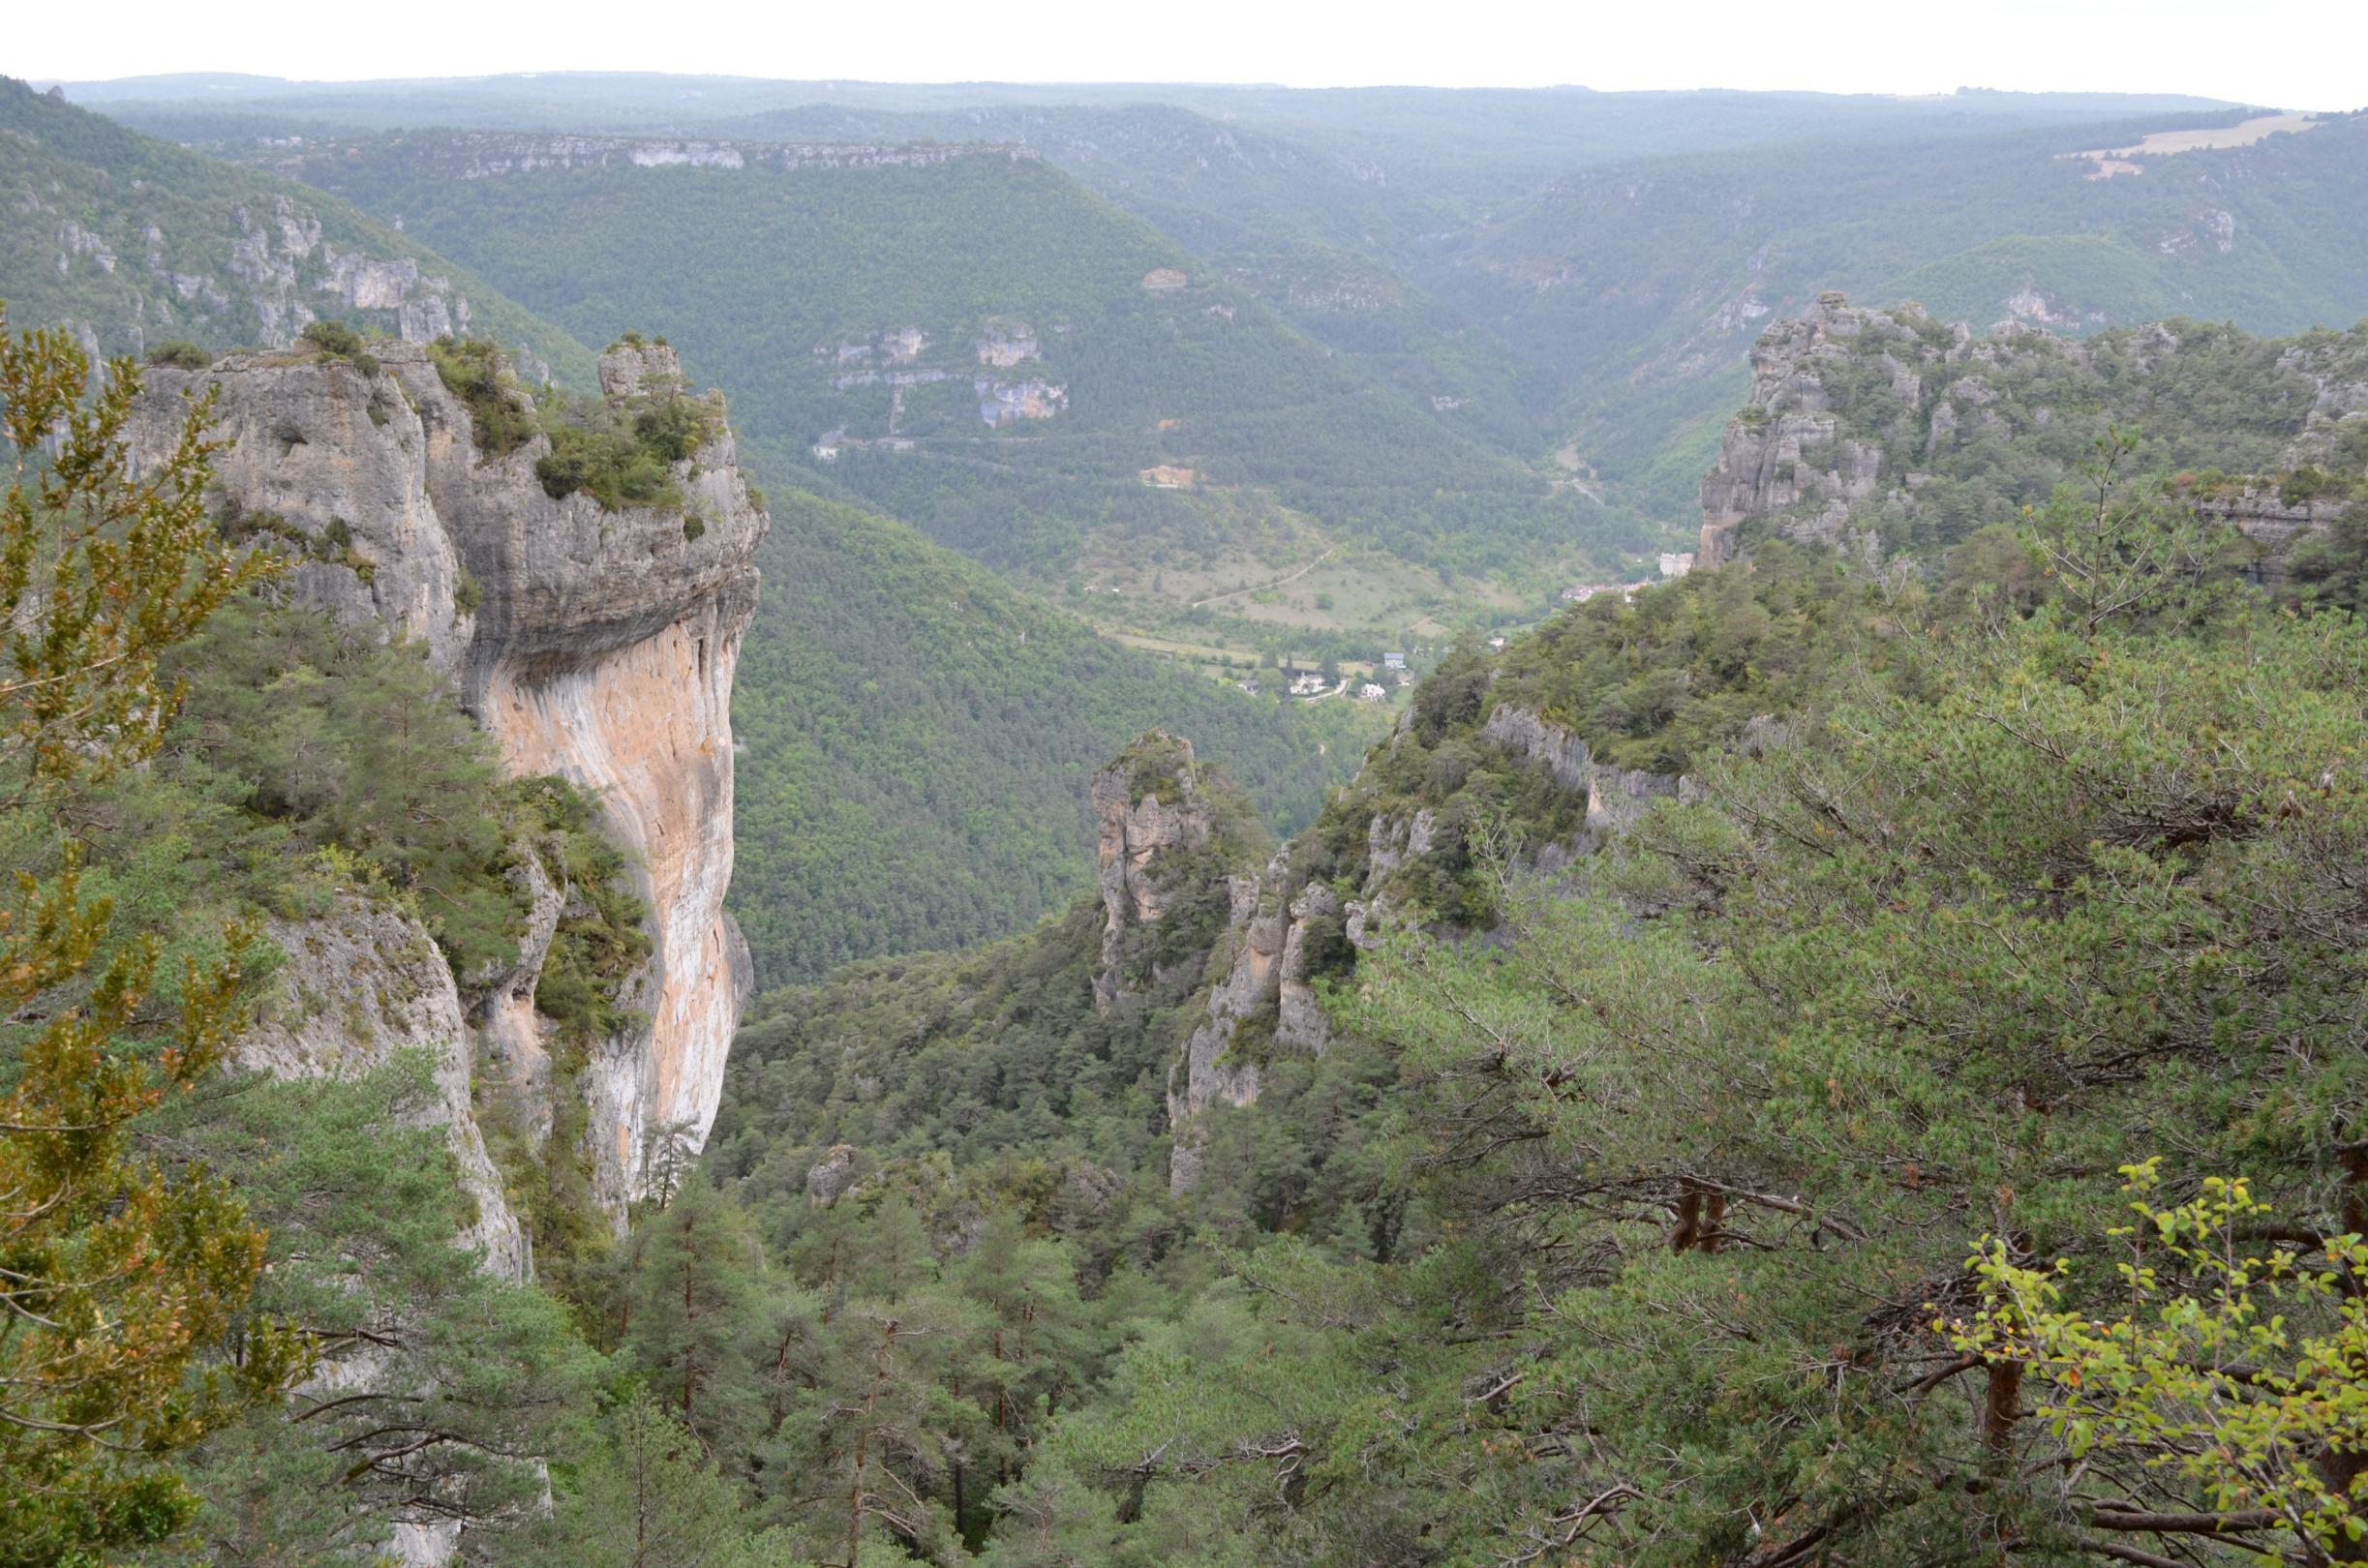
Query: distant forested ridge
[(973, 343), (1567, 267)]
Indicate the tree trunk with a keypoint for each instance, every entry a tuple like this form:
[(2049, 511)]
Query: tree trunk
[(2000, 1405)]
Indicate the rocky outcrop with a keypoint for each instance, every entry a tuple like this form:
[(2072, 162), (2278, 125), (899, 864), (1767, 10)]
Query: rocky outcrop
[(1149, 808), (591, 643), (1854, 412), (1185, 921), (828, 1178), (1392, 840), (1260, 1002), (1616, 797), (512, 1038), (292, 275), (1560, 751), (2270, 521), (359, 988), (1786, 455)]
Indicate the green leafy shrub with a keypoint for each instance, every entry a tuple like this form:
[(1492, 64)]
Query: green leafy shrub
[(606, 465), (2308, 483), (621, 466), (675, 429), (334, 340), (179, 353), (472, 371), (602, 937)]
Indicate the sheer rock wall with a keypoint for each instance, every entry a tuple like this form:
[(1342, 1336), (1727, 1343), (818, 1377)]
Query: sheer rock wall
[(595, 644)]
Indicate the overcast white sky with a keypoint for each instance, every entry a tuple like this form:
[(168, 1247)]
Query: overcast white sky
[(2293, 53)]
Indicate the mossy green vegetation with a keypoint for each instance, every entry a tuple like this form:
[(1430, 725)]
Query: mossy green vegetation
[(625, 459), (473, 370)]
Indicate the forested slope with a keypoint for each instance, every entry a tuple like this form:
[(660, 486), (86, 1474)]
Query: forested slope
[(139, 243), (919, 735), (1639, 1233)]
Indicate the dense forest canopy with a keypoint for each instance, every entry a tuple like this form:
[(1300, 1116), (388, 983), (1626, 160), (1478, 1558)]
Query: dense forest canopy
[(1640, 1232), (919, 738)]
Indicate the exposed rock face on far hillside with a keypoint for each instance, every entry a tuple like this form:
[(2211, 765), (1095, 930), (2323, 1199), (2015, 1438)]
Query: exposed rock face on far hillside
[(595, 644), (1785, 453)]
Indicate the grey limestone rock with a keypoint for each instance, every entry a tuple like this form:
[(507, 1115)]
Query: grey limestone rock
[(360, 986)]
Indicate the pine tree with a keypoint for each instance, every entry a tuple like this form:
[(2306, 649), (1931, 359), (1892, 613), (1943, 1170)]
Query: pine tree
[(691, 1293), (114, 1275)]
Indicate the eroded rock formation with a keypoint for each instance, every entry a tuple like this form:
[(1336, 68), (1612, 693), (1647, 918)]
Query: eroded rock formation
[(597, 645), (1259, 1003), (1784, 453), (1854, 412), (1150, 809)]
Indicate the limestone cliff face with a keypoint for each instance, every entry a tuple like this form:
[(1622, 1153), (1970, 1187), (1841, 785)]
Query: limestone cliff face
[(1260, 1002), (1785, 453), (591, 643), (1616, 797), (488, 155)]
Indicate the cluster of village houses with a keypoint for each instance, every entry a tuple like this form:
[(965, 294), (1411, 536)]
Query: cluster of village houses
[(1674, 564), (1313, 683)]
